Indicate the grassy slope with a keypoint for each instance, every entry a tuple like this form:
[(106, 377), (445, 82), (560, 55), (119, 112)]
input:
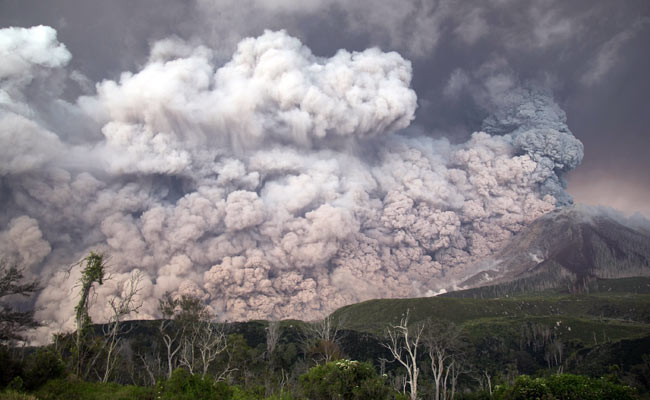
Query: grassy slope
[(635, 285), (611, 314)]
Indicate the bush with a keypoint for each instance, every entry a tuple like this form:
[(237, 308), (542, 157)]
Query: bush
[(183, 385), (565, 387), (578, 387), (478, 395), (41, 367), (9, 367), (257, 393), (16, 385), (344, 379), (14, 395), (67, 389), (524, 388)]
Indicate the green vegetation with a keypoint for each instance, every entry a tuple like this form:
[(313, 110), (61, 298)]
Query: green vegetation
[(345, 379), (614, 309), (41, 367), (594, 345), (184, 386), (634, 285), (65, 389), (92, 273), (565, 387)]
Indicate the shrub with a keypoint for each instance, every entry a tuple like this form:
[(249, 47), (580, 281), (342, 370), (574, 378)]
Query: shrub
[(41, 367), (16, 385), (565, 387), (524, 388), (478, 395), (578, 387), (183, 385), (9, 367), (66, 389), (13, 395), (344, 379), (257, 393)]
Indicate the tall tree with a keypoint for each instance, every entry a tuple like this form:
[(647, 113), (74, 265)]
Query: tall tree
[(93, 269), (272, 339), (323, 339), (121, 306), (190, 333), (442, 341), (203, 338), (403, 343), (170, 332)]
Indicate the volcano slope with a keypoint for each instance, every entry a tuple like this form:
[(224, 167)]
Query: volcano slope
[(568, 249)]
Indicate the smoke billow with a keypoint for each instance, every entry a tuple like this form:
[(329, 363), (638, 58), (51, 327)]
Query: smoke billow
[(275, 185)]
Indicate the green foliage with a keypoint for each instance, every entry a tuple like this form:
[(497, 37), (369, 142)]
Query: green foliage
[(92, 272), (344, 379), (524, 388), (282, 396), (641, 372), (16, 384), (565, 387), (257, 393), (15, 395), (181, 386), (67, 389), (505, 337), (478, 395), (242, 358), (184, 386), (9, 367), (41, 367), (623, 315), (250, 394)]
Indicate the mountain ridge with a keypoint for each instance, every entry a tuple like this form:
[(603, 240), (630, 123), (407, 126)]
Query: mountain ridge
[(569, 246)]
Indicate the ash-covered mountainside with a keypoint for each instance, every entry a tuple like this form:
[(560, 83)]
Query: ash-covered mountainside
[(570, 246)]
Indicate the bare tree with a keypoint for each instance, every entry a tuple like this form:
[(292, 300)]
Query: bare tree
[(324, 338), (202, 344), (553, 355), (121, 306), (188, 357), (190, 333), (442, 342), (152, 364), (170, 333), (403, 343), (484, 379), (450, 381), (211, 342), (272, 338)]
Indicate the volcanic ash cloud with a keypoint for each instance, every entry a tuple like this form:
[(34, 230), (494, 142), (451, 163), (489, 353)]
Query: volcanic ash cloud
[(275, 185)]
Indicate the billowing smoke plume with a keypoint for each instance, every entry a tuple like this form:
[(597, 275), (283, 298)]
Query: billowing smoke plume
[(275, 185)]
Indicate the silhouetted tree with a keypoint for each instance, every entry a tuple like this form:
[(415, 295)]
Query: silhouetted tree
[(13, 322)]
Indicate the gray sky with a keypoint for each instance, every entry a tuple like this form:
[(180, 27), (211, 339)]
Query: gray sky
[(593, 54)]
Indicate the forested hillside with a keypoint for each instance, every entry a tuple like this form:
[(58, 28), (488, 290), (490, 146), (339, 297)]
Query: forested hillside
[(467, 347)]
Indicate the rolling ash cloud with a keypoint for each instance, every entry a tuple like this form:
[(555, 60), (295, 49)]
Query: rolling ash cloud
[(279, 184)]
